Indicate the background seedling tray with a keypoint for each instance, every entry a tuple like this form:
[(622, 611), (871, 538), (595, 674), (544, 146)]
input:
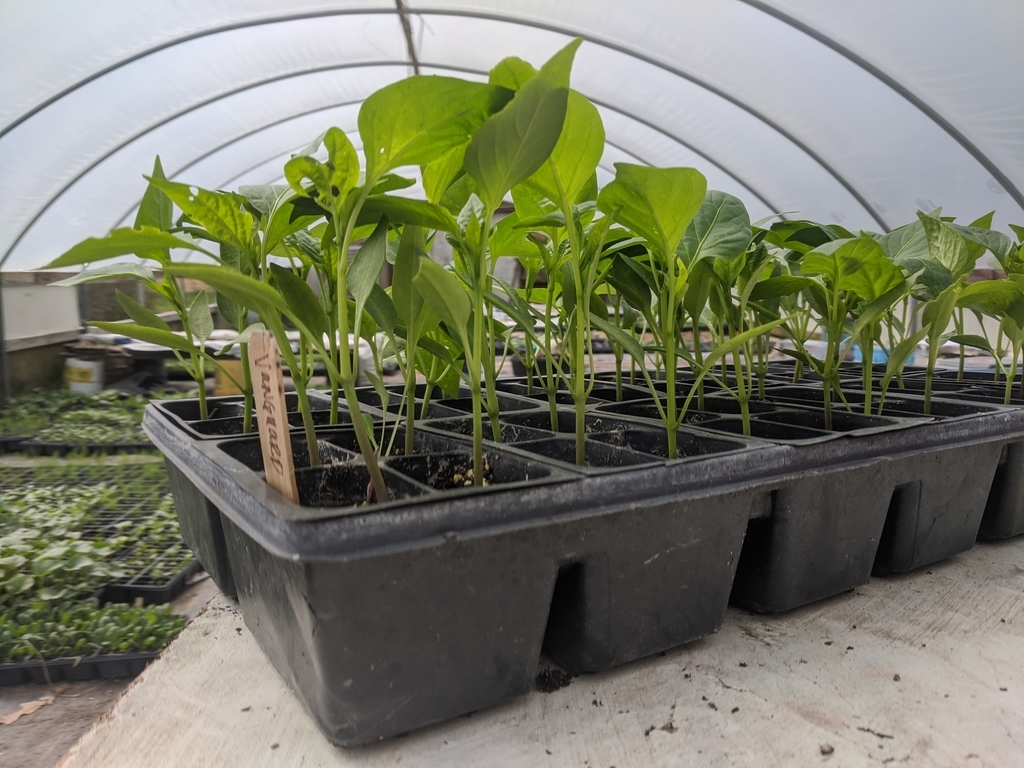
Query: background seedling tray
[(151, 592), (36, 448), (107, 667)]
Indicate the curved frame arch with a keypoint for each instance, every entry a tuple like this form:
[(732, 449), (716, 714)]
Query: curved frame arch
[(672, 137), (164, 121), (923, 106), (502, 18)]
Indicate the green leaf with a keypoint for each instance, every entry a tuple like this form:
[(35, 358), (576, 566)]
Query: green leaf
[(219, 213), (149, 335), (656, 203), (307, 247), (906, 242), (858, 265), (899, 355), (873, 311), (264, 197), (407, 300), (511, 73), (417, 120), (439, 174), (946, 246), (575, 157), (999, 298), (446, 295), (801, 236), (139, 313), (776, 287), (110, 272), (510, 240), (937, 314), (698, 289), (284, 225), (365, 267), (549, 220), (233, 313), (720, 230), (122, 242), (300, 300), (403, 210), (516, 307), (378, 386), (628, 282), (381, 309), (620, 337), (734, 342), (389, 182), (155, 210), (973, 340), (199, 319), (332, 180), (997, 243), (510, 146), (18, 584), (238, 287)]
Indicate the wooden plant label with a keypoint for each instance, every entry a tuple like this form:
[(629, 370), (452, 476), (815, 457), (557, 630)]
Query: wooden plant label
[(272, 414)]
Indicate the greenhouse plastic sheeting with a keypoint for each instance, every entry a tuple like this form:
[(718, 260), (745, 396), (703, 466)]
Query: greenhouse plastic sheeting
[(857, 113)]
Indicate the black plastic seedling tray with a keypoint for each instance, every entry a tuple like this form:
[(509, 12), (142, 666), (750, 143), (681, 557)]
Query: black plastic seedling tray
[(37, 448), (388, 617), (875, 494), (225, 415), (1004, 511), (152, 592), (105, 667)]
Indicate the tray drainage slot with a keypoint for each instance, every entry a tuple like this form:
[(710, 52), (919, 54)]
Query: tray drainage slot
[(900, 524), (576, 636)]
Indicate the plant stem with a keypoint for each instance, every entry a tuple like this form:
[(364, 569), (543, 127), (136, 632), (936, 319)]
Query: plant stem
[(410, 408), (669, 340), (365, 444), (867, 342), (551, 386), (200, 377), (1012, 374), (247, 384), (960, 329), (300, 393), (474, 384), (617, 350), (307, 423), (489, 376), (347, 374), (932, 355), (698, 356)]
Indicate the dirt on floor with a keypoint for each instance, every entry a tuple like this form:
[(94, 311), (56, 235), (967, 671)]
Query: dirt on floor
[(56, 716), (39, 739)]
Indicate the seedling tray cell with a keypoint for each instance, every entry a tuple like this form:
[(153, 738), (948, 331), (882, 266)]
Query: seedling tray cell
[(510, 432), (598, 456), (390, 616), (649, 411)]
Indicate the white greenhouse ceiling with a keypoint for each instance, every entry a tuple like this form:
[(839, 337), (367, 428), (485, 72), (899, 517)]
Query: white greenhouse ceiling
[(858, 113)]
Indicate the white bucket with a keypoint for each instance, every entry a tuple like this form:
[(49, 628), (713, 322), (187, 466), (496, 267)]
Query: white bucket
[(83, 375)]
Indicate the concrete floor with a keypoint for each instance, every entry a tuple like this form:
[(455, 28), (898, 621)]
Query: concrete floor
[(921, 669)]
